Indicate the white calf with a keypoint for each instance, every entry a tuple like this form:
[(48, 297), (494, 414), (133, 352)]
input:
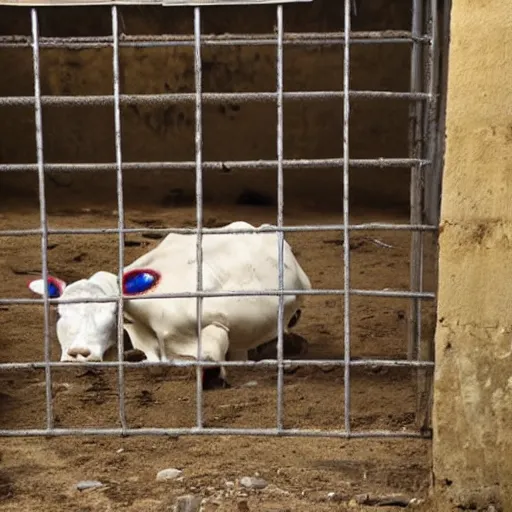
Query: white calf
[(167, 328)]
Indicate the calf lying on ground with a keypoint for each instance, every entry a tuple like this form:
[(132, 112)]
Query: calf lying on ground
[(167, 328)]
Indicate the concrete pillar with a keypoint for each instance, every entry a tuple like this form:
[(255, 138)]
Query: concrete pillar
[(472, 418)]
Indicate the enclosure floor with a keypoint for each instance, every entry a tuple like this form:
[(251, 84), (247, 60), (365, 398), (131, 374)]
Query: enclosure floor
[(39, 474)]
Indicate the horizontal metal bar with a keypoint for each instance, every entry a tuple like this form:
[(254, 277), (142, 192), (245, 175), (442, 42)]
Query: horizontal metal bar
[(299, 163), (373, 226), (194, 431), (399, 294), (207, 97), (272, 363), (154, 41), (77, 3), (162, 3)]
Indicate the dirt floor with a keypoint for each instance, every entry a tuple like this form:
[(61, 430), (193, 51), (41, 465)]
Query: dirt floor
[(41, 474)]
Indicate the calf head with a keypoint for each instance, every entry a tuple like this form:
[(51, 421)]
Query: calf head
[(85, 330)]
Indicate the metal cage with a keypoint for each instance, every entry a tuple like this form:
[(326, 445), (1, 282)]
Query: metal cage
[(427, 40)]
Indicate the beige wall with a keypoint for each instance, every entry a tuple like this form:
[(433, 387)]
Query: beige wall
[(473, 388), (313, 129)]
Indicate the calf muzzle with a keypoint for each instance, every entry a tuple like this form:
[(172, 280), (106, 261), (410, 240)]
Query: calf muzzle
[(79, 351)]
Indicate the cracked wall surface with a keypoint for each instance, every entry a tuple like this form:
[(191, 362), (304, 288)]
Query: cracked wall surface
[(473, 384)]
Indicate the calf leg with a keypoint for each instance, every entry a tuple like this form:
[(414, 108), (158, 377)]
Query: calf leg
[(144, 340), (214, 378), (214, 347)]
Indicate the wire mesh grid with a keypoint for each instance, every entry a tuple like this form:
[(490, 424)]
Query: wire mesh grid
[(422, 162)]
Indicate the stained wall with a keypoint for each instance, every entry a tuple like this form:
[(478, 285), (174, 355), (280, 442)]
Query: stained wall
[(232, 131)]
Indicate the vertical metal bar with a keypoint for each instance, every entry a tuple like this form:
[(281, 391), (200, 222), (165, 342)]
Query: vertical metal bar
[(43, 216), (280, 217), (346, 212), (431, 200), (199, 208), (120, 220), (442, 55), (415, 148), (433, 178)]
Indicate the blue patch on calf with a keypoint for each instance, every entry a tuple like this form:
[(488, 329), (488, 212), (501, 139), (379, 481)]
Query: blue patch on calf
[(53, 290), (139, 281)]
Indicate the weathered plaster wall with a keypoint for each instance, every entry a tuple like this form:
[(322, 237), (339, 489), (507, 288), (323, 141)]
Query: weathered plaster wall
[(313, 129), (473, 386)]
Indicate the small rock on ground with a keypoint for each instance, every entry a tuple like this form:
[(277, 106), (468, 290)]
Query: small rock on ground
[(88, 484), (168, 474), (252, 482), (188, 503)]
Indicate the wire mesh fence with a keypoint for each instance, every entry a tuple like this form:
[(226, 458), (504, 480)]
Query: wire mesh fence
[(425, 177)]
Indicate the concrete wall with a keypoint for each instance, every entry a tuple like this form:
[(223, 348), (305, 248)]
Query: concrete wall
[(313, 129), (473, 386)]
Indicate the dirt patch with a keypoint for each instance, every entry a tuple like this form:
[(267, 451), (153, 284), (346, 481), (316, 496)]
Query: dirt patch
[(40, 474)]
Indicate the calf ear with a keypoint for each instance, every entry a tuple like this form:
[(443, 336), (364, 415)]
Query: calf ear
[(55, 287)]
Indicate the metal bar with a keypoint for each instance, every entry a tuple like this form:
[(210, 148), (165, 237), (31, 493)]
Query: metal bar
[(416, 215), (164, 3), (346, 214), (81, 3), (421, 100), (426, 349), (433, 170), (199, 208), (167, 40), (120, 212), (442, 86), (375, 226), (397, 294), (207, 97), (322, 163), (174, 432), (280, 217), (43, 216), (76, 3), (267, 363)]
